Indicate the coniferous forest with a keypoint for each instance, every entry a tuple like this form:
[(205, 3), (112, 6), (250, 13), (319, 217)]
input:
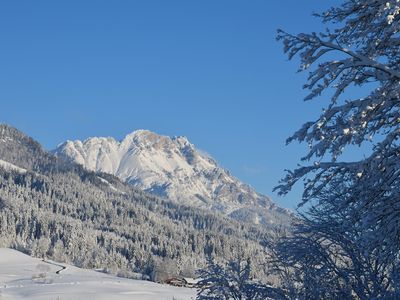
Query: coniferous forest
[(55, 209)]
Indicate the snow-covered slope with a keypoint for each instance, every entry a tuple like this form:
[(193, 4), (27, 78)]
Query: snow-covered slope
[(8, 166), (24, 277), (171, 167)]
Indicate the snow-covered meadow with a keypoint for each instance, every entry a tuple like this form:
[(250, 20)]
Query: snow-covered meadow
[(24, 277)]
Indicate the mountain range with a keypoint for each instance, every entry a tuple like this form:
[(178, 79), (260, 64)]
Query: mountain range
[(172, 167)]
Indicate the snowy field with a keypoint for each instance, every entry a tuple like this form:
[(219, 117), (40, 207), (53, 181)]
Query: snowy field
[(24, 277)]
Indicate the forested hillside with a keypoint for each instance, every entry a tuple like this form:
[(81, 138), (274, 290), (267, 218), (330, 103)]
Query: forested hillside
[(93, 220)]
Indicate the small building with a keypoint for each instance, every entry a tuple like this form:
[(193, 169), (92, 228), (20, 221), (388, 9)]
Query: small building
[(182, 282), (176, 281)]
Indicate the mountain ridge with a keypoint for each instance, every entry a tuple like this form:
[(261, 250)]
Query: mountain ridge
[(173, 168)]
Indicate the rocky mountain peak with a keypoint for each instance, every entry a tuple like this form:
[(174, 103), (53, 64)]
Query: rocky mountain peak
[(172, 167)]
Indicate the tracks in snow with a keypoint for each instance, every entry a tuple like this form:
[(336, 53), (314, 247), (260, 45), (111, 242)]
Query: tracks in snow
[(55, 264)]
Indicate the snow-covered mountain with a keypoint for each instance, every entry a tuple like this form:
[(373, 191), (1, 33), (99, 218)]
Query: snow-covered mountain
[(172, 167), (55, 208)]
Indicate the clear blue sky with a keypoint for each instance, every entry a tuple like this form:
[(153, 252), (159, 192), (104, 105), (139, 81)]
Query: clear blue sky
[(209, 70)]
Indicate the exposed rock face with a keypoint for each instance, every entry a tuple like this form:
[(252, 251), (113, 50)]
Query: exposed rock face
[(171, 167)]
